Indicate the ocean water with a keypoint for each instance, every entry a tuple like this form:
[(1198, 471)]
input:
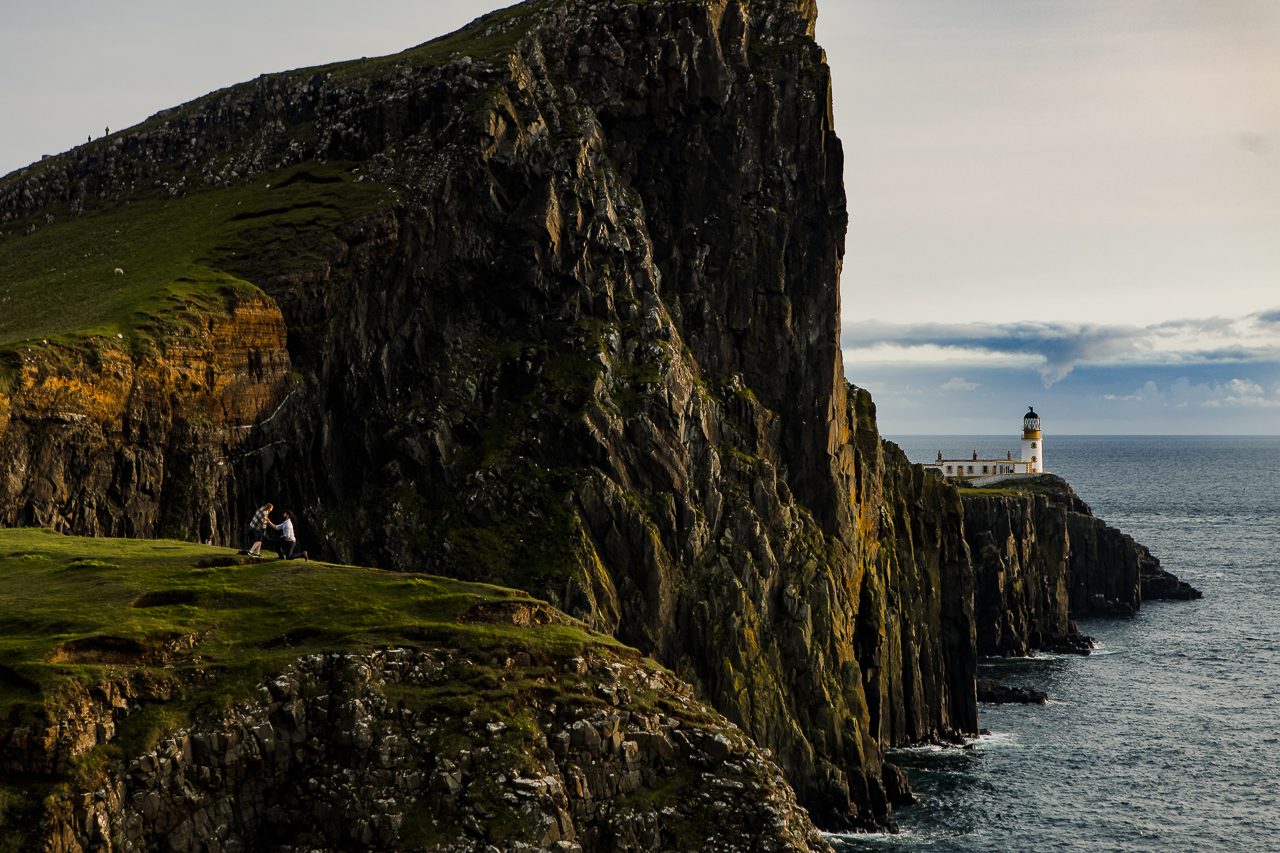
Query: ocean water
[(1168, 737)]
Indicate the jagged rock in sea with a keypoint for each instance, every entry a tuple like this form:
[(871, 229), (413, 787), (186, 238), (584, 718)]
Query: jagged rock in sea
[(992, 691), (552, 303)]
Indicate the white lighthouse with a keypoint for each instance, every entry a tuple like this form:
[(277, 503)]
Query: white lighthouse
[(1032, 442), (983, 472)]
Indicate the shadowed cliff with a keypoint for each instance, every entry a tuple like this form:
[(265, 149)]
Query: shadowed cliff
[(581, 338)]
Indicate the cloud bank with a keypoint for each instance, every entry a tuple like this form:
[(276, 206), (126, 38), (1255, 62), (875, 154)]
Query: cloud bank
[(1054, 350), (1184, 393)]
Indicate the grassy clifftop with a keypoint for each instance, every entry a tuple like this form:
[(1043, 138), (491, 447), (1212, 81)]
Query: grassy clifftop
[(171, 202), (150, 637), (59, 281), (210, 625), (156, 693)]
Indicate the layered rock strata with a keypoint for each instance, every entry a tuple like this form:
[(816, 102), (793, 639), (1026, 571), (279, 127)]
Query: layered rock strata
[(116, 439)]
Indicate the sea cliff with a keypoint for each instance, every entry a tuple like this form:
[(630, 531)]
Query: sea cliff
[(552, 303), (1043, 559)]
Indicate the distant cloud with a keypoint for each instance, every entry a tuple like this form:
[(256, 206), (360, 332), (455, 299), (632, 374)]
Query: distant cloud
[(1055, 349), (1183, 393), (959, 383)]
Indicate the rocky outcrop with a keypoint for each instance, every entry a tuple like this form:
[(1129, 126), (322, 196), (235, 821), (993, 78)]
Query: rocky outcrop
[(1041, 558), (1105, 577), (371, 752), (1021, 552), (993, 692), (1110, 572), (1158, 584)]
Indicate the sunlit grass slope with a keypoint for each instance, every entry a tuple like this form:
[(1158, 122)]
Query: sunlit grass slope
[(60, 281), (75, 609), (203, 627)]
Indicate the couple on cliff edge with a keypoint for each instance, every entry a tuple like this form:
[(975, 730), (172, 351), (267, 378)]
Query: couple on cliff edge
[(285, 540)]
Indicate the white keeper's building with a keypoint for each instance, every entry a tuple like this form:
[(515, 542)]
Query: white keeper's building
[(990, 470)]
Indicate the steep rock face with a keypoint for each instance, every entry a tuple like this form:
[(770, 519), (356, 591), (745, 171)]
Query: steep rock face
[(592, 352), (1110, 572), (1105, 574), (1021, 550), (915, 620), (1041, 557), (115, 441), (365, 751)]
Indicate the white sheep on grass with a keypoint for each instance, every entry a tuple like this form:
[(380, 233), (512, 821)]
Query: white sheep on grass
[(119, 271)]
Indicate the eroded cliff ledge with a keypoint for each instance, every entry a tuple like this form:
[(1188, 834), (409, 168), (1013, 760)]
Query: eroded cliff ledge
[(193, 700)]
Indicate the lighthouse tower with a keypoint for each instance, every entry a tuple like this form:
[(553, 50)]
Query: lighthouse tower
[(1032, 442)]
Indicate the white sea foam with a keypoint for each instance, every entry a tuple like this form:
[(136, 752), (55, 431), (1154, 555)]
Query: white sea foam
[(996, 740), (924, 747), (892, 839)]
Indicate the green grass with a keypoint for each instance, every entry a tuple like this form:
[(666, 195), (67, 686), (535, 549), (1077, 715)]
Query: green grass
[(179, 255), (204, 627), (82, 610), (1016, 487)]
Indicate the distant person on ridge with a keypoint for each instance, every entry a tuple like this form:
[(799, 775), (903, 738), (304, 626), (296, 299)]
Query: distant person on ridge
[(287, 544), (258, 529)]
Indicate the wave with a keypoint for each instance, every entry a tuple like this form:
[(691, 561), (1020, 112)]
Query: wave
[(995, 740)]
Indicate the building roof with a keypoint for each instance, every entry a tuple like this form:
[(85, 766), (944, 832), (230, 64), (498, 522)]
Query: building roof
[(970, 460)]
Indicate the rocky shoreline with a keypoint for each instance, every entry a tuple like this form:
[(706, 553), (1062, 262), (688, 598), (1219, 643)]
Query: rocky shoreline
[(993, 692)]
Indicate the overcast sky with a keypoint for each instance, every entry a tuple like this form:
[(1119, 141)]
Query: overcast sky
[(1071, 203)]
